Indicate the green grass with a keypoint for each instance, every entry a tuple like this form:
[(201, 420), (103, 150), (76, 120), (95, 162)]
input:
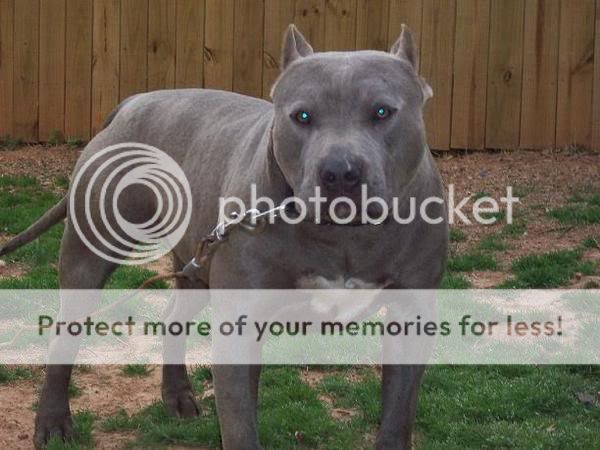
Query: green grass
[(10, 142), (547, 270), (518, 407), (23, 201), (481, 194), (75, 142), (56, 138), (492, 242), (61, 182), (470, 262), (486, 407), (199, 376), (454, 281), (74, 390), (582, 208), (591, 242), (8, 374), (130, 277), (155, 428), (498, 216), (83, 422), (291, 416), (22, 207), (457, 235), (17, 182), (515, 229), (135, 370)]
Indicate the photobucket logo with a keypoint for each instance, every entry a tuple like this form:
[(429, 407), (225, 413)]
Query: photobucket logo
[(371, 210), (100, 183)]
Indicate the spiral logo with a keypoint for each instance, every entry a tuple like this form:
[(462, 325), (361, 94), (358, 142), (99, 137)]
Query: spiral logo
[(94, 203)]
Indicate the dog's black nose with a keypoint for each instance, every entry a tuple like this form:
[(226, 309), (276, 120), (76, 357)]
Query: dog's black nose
[(340, 175)]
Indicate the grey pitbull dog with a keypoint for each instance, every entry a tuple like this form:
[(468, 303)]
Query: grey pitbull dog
[(337, 121)]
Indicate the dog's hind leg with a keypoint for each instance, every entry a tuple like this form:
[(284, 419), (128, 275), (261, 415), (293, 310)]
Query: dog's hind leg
[(176, 390), (79, 268)]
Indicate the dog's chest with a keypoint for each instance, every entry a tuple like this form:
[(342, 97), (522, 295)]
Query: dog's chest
[(342, 306)]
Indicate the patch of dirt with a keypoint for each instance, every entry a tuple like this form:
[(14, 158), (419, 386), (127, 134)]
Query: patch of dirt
[(542, 180), (343, 414), (312, 376), (16, 420), (592, 254), (486, 280), (11, 270), (112, 441), (104, 391), (585, 282), (39, 161)]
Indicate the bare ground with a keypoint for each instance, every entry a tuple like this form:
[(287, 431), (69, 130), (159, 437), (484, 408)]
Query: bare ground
[(545, 178)]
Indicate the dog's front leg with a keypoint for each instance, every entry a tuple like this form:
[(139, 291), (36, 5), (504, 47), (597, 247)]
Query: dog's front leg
[(400, 385), (236, 389)]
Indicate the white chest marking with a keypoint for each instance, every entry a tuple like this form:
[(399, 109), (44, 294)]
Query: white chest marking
[(320, 282), (340, 306)]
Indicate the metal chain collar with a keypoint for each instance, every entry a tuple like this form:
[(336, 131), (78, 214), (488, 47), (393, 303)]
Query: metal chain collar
[(253, 221)]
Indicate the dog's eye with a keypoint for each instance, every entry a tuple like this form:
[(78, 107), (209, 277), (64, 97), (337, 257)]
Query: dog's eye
[(302, 117), (383, 112)]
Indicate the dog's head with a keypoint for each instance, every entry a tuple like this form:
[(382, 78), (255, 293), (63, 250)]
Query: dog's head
[(348, 119)]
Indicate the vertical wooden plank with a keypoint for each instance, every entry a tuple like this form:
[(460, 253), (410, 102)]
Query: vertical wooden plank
[(248, 47), (26, 69), (408, 12), (470, 74), (105, 60), (540, 72), (6, 66), (309, 17), (437, 45), (134, 44), (372, 21), (218, 38), (505, 74), (161, 44), (189, 59), (78, 69), (278, 15), (596, 98), (340, 25), (52, 68), (575, 73)]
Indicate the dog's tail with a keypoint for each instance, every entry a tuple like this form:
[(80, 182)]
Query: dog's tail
[(49, 219)]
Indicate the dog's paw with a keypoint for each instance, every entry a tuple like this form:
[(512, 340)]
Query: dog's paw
[(52, 425), (181, 403)]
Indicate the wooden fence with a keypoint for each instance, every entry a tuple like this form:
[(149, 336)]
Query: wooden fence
[(505, 73)]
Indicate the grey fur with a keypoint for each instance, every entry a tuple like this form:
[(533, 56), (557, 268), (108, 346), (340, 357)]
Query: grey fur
[(224, 142)]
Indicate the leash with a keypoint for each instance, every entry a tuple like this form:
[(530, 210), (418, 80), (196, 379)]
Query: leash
[(253, 222)]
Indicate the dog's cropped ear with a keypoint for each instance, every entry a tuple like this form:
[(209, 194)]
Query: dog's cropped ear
[(294, 46), (405, 48)]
